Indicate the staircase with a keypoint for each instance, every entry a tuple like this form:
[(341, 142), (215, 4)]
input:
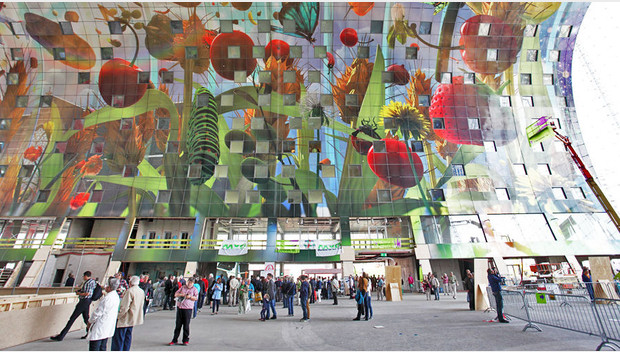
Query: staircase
[(5, 274)]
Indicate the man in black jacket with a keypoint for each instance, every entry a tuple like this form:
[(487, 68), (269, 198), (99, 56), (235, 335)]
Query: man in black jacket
[(469, 286), (290, 290), (168, 292), (270, 289), (202, 293), (495, 282), (210, 280)]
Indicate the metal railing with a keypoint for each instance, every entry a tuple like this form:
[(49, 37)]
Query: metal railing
[(157, 243), (21, 242), (86, 243), (578, 313), (216, 244)]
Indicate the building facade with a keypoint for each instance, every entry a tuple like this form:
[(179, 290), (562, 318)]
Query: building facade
[(178, 137)]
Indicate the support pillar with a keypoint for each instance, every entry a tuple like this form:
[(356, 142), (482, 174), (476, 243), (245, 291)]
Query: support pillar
[(113, 269), (348, 252), (481, 282), (36, 269)]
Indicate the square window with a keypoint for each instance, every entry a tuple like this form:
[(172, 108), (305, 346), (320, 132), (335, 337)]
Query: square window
[(78, 124), (288, 146), (236, 147), (241, 76), (526, 79), (458, 170), (234, 52), (21, 101), (264, 99), (504, 101), (238, 123), (261, 171), (17, 54), (484, 29), (3, 170), (264, 26), (558, 192), (231, 197), (502, 194), (489, 147), (25, 171), (17, 28), (130, 171), (548, 79), (144, 77), (60, 147), (424, 100), (288, 171), (296, 123), (314, 122), (314, 146), (163, 196), (351, 100), (295, 52), (4, 124), (554, 55), (202, 100), (96, 196), (96, 147), (565, 31), (528, 101), (469, 78), (289, 26), (363, 52), (417, 146), (258, 52), (320, 52), (425, 27), (491, 54), (314, 76), (264, 76), (446, 77), (59, 54), (167, 77), (66, 28), (262, 147), (13, 78), (578, 193), (437, 195), (46, 101), (227, 99), (387, 77), (115, 27), (376, 27), (226, 26), (328, 171), (544, 169), (538, 147), (172, 147), (327, 26), (519, 169), (473, 123), (315, 196), (289, 76), (191, 52), (83, 77), (221, 171), (378, 146), (327, 100), (294, 196), (126, 123), (531, 55), (252, 197), (355, 170), (176, 27), (289, 99), (44, 195), (384, 196), (118, 101), (1, 146), (107, 53), (411, 53), (389, 123), (438, 124), (530, 30)]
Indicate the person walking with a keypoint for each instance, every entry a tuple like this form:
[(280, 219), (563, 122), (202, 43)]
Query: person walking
[(243, 297), (234, 286), (319, 289), (202, 292), (453, 284), (186, 295), (291, 290), (435, 286), (211, 281), (168, 301), (82, 308), (304, 293), (495, 283), (335, 286), (445, 282), (468, 284), (147, 287), (217, 296), (270, 289), (197, 286), (130, 314), (360, 301), (380, 284), (586, 277), (368, 299), (411, 280), (103, 320)]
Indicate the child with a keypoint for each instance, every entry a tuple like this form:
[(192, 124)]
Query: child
[(263, 311)]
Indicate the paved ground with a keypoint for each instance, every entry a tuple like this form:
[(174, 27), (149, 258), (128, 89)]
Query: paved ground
[(414, 324)]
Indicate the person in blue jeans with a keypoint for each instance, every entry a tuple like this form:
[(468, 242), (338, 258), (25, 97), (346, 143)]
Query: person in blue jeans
[(367, 301), (196, 301), (586, 277), (266, 304), (495, 281), (271, 291), (304, 293), (291, 290), (217, 296)]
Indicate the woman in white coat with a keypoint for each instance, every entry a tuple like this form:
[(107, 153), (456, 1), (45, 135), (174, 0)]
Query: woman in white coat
[(102, 322)]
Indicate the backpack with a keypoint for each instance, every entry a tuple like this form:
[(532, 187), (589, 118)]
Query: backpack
[(97, 292)]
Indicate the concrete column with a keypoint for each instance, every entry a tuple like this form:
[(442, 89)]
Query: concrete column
[(31, 279), (481, 282), (348, 252), (113, 269), (123, 237), (272, 234), (425, 264), (574, 263), (190, 269)]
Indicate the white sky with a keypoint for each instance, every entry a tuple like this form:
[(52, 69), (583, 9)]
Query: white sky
[(596, 88)]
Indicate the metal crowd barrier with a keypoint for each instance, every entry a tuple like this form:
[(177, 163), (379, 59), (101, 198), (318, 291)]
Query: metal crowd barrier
[(599, 317)]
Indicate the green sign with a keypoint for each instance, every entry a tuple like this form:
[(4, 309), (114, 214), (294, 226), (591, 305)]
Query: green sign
[(287, 250), (384, 254), (541, 298)]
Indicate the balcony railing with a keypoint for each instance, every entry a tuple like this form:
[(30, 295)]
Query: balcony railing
[(379, 244), (172, 243), (6, 243), (86, 243), (216, 244)]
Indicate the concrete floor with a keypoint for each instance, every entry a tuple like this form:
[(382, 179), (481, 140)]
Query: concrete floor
[(414, 324)]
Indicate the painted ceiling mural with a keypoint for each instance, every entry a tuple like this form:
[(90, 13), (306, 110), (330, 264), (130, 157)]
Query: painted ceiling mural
[(285, 109)]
